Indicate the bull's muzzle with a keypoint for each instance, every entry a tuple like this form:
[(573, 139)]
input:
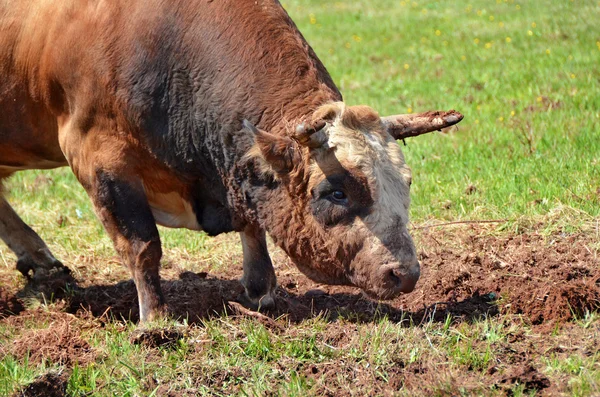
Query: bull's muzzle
[(400, 278)]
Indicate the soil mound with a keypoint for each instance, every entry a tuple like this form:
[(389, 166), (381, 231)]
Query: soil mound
[(548, 280), (50, 384)]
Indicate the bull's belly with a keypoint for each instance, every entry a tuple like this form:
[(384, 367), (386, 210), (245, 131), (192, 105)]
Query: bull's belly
[(15, 155), (172, 210)]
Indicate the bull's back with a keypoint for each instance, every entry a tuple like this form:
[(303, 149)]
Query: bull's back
[(76, 66), (173, 72)]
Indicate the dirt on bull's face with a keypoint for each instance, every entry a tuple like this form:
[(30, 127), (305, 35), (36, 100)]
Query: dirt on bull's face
[(342, 207)]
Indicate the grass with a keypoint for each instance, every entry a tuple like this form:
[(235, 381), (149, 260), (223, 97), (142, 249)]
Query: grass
[(241, 357), (526, 75)]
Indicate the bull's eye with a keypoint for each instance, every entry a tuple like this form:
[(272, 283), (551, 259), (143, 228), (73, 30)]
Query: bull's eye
[(338, 197)]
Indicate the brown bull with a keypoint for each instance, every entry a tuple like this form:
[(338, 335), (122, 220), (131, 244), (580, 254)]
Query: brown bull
[(146, 102)]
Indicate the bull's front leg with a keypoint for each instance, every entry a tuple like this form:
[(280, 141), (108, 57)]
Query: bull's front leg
[(259, 278), (123, 208), (108, 166)]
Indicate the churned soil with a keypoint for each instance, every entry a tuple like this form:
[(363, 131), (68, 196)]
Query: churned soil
[(547, 280), (465, 274)]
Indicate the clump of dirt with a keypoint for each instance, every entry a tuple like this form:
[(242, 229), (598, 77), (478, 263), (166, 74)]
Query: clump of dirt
[(164, 337), (50, 384), (50, 285), (60, 343), (9, 304), (525, 375), (561, 303)]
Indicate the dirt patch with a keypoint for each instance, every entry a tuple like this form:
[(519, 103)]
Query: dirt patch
[(9, 304), (466, 274), (50, 384), (49, 286), (165, 337), (60, 343), (469, 275), (527, 376), (548, 280)]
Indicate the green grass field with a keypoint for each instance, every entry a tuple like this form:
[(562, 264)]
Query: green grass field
[(526, 76)]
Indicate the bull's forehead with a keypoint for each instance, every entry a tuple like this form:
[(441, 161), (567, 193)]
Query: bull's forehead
[(366, 148)]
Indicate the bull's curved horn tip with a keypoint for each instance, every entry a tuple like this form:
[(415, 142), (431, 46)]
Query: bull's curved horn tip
[(454, 117)]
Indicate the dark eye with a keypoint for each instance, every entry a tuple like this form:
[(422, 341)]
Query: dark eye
[(338, 197)]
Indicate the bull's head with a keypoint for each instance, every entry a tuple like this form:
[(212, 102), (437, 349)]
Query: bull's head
[(341, 207)]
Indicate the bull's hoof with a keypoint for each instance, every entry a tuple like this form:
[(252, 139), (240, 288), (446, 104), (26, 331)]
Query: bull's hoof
[(25, 266), (31, 269), (265, 303)]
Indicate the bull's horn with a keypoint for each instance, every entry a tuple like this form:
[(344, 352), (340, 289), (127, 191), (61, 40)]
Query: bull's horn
[(406, 125), (311, 134)]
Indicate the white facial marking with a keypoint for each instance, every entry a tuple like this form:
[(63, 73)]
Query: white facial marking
[(380, 158)]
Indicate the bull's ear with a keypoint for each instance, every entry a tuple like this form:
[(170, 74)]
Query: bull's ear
[(279, 153)]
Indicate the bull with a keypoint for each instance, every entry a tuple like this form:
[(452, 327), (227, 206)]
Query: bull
[(207, 115)]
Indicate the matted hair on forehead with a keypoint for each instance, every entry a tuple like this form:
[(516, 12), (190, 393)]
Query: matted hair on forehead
[(359, 117)]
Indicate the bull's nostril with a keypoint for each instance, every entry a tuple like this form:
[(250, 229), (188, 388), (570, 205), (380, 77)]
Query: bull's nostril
[(402, 280), (394, 278), (396, 273)]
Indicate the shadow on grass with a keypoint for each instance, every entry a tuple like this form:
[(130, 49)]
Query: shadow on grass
[(196, 296)]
